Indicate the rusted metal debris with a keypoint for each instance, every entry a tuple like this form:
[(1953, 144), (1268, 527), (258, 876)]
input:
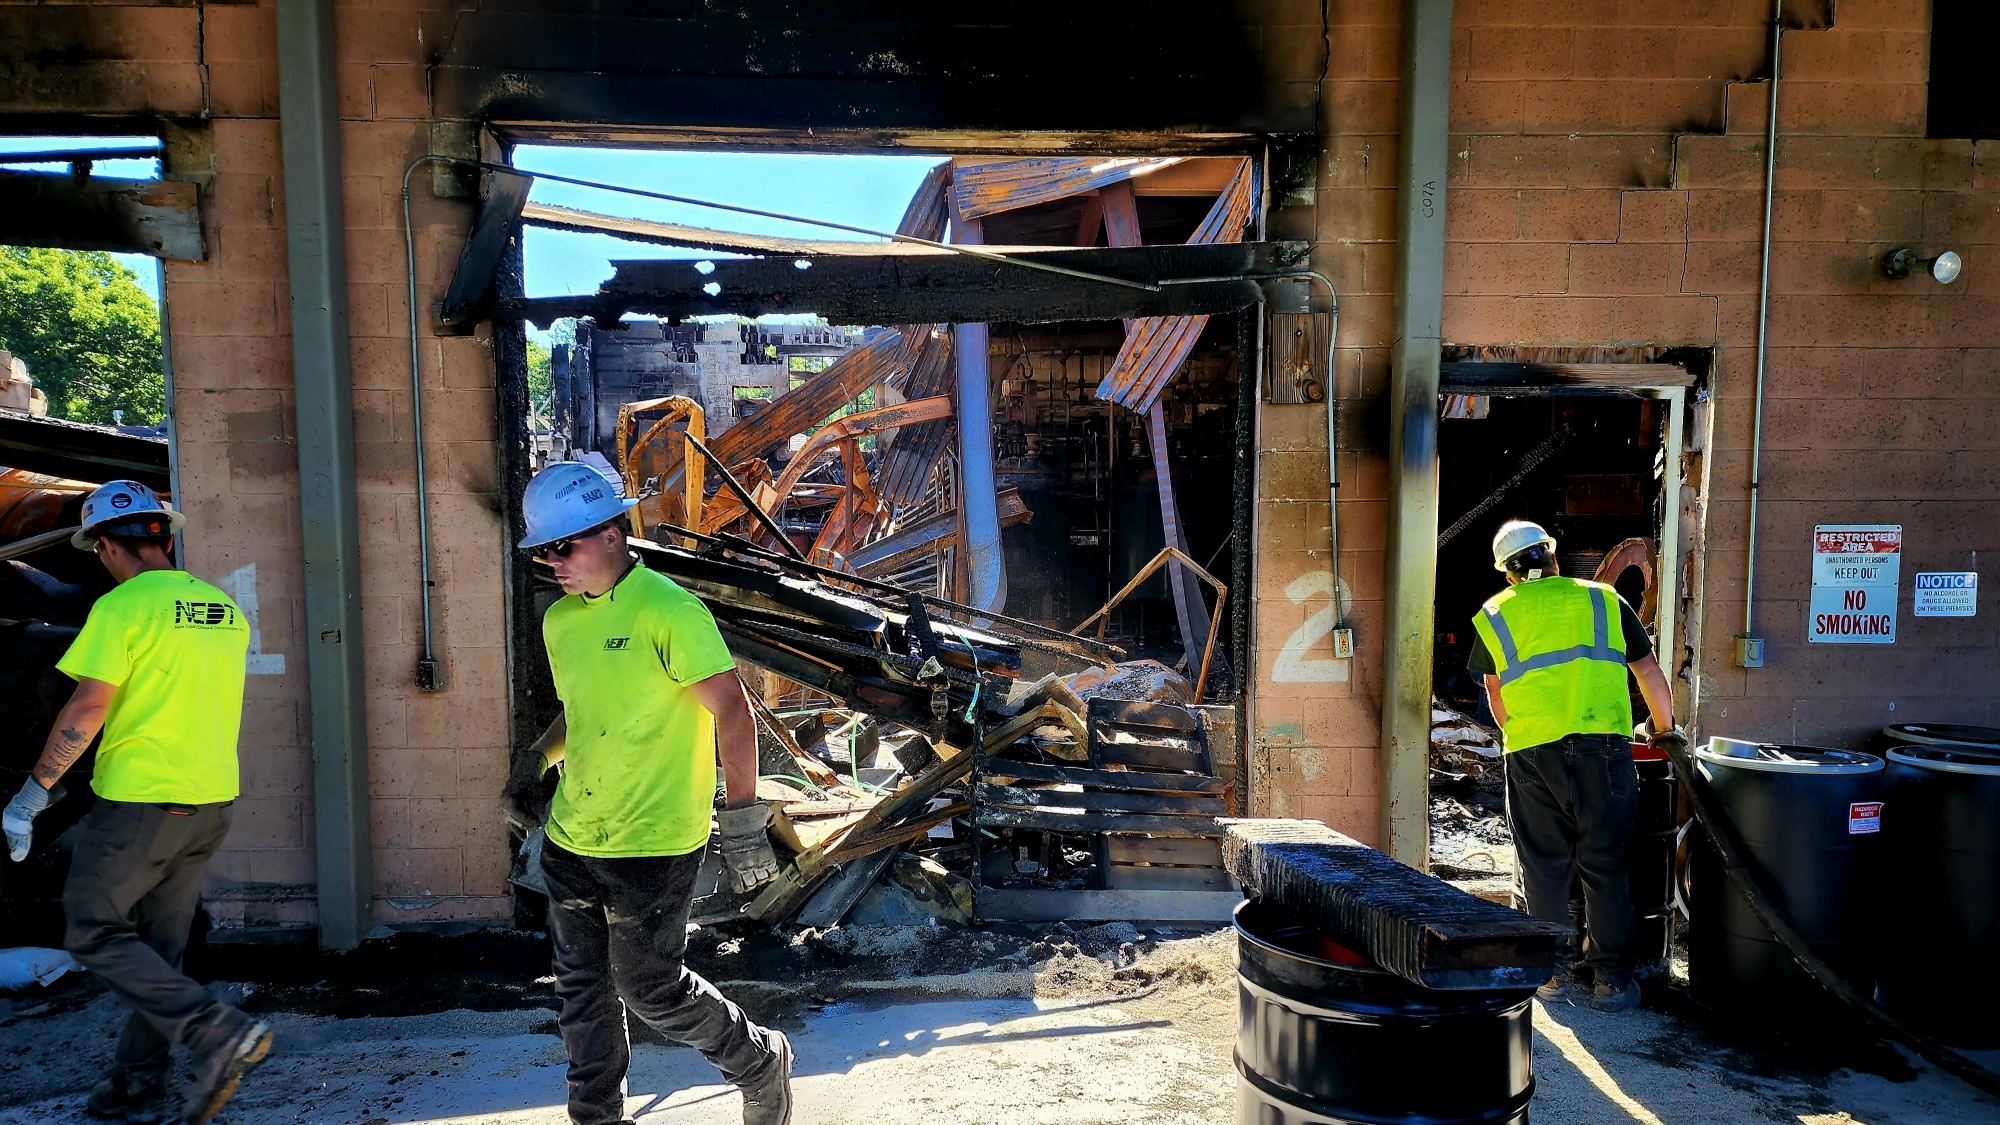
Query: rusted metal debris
[(1156, 347), (1004, 185)]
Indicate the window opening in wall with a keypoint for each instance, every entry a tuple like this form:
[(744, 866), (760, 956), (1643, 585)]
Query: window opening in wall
[(83, 399), (1964, 100)]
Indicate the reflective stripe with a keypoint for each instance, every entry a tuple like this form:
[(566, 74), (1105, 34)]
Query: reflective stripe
[(1513, 668)]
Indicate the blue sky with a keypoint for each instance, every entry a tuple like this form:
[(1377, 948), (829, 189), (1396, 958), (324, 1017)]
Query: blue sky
[(147, 168), (866, 191)]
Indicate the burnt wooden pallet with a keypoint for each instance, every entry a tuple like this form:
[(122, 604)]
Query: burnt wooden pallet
[(1422, 929), (1148, 795)]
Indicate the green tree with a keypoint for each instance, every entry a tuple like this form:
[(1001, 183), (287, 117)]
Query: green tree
[(89, 335)]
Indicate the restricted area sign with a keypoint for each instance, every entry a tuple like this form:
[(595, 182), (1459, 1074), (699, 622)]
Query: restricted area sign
[(1856, 568), (1946, 594)]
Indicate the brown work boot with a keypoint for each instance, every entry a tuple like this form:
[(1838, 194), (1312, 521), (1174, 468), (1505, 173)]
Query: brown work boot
[(769, 1102), (223, 1070), (123, 1096), (1614, 997), (1555, 988)]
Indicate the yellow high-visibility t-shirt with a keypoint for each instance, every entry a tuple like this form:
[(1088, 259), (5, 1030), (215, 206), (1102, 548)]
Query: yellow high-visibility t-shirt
[(174, 647), (639, 759)]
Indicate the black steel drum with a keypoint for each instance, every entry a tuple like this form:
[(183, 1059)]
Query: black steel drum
[(1810, 820), (1327, 1038), (1941, 941)]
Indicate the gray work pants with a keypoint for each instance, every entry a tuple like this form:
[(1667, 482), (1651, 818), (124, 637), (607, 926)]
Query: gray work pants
[(134, 884), (620, 933), (1571, 805)]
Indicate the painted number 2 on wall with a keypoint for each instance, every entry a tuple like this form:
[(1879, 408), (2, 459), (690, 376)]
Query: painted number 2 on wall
[(1297, 661)]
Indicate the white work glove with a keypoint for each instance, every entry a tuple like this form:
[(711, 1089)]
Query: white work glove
[(19, 819), (746, 846)]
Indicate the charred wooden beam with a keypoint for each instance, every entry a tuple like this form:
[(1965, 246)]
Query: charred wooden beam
[(157, 217), (80, 451), (1422, 929), (472, 285), (1473, 377), (933, 288)]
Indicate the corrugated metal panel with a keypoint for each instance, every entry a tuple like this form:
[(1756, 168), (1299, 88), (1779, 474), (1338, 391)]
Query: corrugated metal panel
[(1005, 185), (1156, 346)]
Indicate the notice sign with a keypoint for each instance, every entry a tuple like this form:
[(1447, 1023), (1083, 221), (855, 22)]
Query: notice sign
[(1949, 594), (1856, 569)]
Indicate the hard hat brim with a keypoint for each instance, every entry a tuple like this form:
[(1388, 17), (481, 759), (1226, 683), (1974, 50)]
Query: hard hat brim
[(528, 541), (81, 539)]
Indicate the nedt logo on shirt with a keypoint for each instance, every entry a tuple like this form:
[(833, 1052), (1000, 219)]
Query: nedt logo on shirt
[(615, 642), (203, 615)]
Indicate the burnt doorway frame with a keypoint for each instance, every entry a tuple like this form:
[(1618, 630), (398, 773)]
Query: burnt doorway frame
[(1670, 377)]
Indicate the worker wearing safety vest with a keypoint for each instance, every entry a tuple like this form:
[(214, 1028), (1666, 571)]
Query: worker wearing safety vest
[(159, 667), (1553, 653), (650, 701)]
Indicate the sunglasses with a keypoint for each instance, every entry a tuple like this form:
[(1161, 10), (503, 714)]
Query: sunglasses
[(560, 548)]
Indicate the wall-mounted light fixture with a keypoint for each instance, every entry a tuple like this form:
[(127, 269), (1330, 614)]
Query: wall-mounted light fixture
[(1943, 268)]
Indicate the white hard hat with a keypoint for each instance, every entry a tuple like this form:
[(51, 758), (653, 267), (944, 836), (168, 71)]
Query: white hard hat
[(566, 498), (119, 500), (1516, 536)]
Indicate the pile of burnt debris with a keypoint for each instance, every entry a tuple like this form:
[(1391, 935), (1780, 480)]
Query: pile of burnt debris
[(926, 760)]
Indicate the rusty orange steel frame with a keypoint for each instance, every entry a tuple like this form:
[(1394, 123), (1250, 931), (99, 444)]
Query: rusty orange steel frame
[(1103, 616)]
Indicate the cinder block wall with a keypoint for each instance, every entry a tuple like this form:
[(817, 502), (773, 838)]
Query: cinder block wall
[(1605, 189), (435, 761)]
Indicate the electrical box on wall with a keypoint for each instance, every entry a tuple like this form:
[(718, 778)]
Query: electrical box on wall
[(1749, 652), (1343, 644)]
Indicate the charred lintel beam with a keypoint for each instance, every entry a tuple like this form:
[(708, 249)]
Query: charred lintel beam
[(931, 288), (1475, 377), (157, 217), (472, 285)]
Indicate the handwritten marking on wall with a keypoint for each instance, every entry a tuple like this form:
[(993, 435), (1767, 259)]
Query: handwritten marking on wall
[(1294, 664), (241, 586)]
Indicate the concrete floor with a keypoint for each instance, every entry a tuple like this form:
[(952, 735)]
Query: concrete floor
[(1068, 1044)]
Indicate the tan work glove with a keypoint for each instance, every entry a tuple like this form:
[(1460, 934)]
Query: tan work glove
[(746, 846)]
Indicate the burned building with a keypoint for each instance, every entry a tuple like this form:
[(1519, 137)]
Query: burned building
[(1545, 240)]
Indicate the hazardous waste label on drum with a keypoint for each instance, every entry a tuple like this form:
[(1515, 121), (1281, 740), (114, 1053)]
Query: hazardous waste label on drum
[(1856, 570)]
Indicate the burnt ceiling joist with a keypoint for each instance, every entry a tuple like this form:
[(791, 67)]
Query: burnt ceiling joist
[(928, 287), (157, 217)]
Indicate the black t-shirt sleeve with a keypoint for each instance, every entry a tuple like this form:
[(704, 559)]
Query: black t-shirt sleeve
[(1638, 646), (1479, 662)]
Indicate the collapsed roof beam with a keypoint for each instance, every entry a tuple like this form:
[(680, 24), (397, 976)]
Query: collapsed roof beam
[(931, 288)]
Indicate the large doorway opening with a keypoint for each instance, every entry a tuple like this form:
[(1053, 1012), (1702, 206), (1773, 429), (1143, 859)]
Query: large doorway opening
[(1107, 449)]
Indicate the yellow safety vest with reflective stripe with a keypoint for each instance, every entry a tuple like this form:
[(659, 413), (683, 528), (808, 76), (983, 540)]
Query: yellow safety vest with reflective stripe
[(1559, 647)]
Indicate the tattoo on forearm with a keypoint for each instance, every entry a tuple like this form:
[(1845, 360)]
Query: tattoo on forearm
[(64, 749)]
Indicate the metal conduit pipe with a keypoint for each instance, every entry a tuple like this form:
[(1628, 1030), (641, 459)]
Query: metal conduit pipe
[(1749, 652), (428, 673)]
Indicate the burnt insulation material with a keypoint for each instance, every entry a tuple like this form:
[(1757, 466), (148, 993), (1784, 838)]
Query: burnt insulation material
[(1422, 929)]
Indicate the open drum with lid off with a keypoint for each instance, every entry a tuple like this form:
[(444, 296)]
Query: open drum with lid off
[(1811, 822), (1941, 832)]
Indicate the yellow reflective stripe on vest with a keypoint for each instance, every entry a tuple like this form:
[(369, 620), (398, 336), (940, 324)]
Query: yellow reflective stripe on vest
[(1513, 667)]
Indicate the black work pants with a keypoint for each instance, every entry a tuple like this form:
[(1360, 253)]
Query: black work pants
[(620, 932), (1571, 805), (134, 884)]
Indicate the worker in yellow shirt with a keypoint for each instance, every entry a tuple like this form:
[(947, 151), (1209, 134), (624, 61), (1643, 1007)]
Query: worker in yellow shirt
[(1554, 654), (650, 700), (159, 670)]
